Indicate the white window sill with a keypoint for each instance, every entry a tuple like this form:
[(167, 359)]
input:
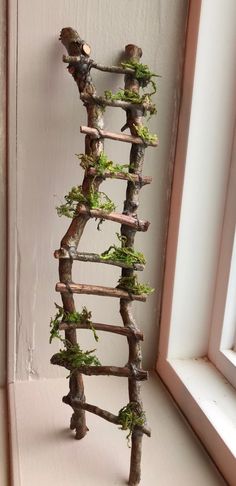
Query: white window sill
[(44, 452), (209, 402)]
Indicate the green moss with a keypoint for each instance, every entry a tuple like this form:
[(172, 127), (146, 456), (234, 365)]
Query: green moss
[(102, 164), (132, 97), (123, 253), (144, 133), (99, 200), (141, 71), (73, 198), (130, 416), (94, 200), (131, 285), (74, 357), (124, 95), (145, 76), (69, 317), (54, 324)]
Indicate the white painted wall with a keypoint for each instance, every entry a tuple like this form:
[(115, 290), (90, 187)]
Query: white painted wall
[(45, 121)]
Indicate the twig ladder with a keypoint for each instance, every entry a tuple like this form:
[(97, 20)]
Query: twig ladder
[(67, 319)]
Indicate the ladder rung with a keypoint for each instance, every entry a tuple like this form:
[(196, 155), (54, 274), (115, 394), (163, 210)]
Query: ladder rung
[(124, 331), (123, 372), (98, 290), (116, 136), (110, 417), (138, 224), (146, 106), (95, 258), (108, 69), (143, 180)]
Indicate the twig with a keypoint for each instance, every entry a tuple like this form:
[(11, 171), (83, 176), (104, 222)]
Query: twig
[(94, 258), (142, 180), (110, 417), (100, 67), (116, 136), (98, 290), (123, 372), (124, 331), (138, 224), (126, 105)]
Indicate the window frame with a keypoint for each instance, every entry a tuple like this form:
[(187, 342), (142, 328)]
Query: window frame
[(222, 337), (195, 232)]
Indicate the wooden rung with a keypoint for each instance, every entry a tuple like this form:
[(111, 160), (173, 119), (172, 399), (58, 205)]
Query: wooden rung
[(116, 136), (108, 69), (138, 224), (124, 331), (98, 290), (99, 100), (94, 258), (123, 372), (143, 180), (110, 417)]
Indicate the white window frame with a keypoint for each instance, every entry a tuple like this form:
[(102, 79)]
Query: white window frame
[(202, 171), (222, 338)]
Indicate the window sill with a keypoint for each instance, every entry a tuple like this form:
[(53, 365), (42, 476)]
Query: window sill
[(44, 451), (209, 402)]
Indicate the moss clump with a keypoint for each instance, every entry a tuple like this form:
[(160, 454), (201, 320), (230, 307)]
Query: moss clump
[(131, 416), (124, 95), (145, 77), (99, 200), (132, 97), (73, 357), (132, 286), (94, 200), (73, 198), (144, 133), (123, 253), (141, 72), (69, 317), (102, 164)]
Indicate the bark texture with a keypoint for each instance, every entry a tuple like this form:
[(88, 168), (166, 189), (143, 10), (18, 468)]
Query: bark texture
[(97, 290), (81, 74), (94, 132), (95, 258), (130, 209), (124, 331)]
